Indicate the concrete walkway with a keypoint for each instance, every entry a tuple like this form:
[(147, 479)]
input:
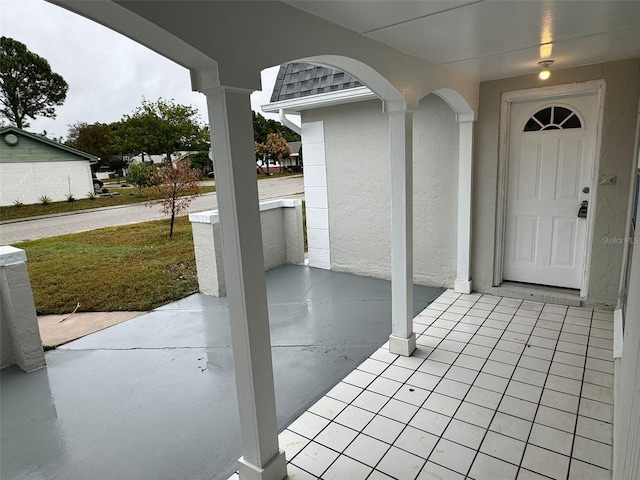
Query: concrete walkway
[(56, 330), (154, 397)]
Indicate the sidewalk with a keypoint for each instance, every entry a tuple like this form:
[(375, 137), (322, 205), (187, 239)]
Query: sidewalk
[(56, 330)]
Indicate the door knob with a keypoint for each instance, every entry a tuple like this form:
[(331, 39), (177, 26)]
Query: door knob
[(582, 211)]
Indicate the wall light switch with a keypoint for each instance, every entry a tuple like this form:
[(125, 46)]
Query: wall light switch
[(608, 179)]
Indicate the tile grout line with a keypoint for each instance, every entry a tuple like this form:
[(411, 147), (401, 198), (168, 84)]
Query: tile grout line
[(555, 349), (440, 437), (584, 371)]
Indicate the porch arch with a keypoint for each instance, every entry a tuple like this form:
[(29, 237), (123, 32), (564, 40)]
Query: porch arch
[(465, 117)]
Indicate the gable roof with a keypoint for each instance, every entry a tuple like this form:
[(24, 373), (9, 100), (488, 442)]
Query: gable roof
[(296, 80), (47, 141)]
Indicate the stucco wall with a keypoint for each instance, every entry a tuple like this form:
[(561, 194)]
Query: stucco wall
[(282, 241), (358, 178), (627, 384), (27, 182), (615, 158)]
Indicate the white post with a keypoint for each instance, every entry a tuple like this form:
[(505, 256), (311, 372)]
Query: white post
[(465, 181), (402, 340), (20, 341), (232, 138)]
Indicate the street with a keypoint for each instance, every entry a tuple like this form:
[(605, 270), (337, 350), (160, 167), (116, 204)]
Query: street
[(14, 231)]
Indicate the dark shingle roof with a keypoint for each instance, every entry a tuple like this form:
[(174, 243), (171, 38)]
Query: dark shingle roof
[(297, 80)]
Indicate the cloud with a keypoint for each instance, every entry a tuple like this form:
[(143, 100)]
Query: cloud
[(108, 74)]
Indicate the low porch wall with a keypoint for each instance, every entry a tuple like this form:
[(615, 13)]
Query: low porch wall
[(282, 241), (20, 342)]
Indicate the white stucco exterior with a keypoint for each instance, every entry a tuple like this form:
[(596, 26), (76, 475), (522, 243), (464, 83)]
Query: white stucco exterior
[(282, 241), (356, 141), (20, 336), (27, 182), (315, 193)]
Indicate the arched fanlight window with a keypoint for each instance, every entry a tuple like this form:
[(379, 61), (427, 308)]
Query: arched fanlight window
[(553, 118)]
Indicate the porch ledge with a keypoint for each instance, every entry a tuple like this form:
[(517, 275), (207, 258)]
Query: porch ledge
[(282, 241)]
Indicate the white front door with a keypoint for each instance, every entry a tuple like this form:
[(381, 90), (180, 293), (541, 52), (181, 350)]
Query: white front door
[(550, 168)]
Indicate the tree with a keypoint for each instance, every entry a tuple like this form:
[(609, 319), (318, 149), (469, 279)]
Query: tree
[(262, 127), (95, 139), (28, 87), (202, 162), (140, 175), (176, 185), (275, 148), (160, 128)]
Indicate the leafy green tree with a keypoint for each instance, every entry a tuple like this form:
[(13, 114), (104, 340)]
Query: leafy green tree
[(202, 162), (140, 175), (262, 127), (94, 139), (28, 86), (162, 127), (176, 184)]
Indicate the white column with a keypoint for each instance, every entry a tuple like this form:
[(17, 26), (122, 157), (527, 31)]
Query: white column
[(232, 138), (465, 181), (315, 194), (402, 340)]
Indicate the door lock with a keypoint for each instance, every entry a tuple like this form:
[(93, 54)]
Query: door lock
[(582, 211)]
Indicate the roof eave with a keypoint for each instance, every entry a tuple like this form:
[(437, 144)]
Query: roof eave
[(340, 97), (91, 158)]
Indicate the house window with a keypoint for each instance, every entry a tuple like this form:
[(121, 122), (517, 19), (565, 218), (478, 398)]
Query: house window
[(553, 118)]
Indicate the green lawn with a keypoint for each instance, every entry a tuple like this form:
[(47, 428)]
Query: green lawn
[(131, 267), (125, 196)]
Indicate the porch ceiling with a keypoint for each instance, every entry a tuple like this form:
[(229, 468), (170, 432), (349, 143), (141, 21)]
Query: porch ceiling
[(493, 39)]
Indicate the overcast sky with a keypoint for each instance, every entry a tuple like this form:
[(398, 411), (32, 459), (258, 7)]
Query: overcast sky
[(108, 74)]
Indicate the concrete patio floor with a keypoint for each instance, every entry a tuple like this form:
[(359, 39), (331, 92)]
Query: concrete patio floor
[(154, 397), (499, 389)]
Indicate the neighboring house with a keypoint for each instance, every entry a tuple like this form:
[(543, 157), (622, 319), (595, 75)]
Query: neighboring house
[(158, 159), (33, 166), (290, 164), (294, 160), (133, 159)]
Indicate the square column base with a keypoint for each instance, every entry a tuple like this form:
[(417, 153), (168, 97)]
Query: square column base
[(276, 469), (462, 286), (402, 346)]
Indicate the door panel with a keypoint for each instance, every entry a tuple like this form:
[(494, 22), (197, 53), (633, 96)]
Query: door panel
[(569, 163), (526, 239), (528, 165), (548, 167), (563, 243)]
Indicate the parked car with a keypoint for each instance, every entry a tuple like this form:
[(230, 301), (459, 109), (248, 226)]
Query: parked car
[(97, 183)]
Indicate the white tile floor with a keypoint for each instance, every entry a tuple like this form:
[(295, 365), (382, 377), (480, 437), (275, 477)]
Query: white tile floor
[(499, 389)]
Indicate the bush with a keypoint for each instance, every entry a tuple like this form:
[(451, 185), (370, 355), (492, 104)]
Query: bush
[(92, 196), (70, 198), (17, 203), (44, 200), (139, 175)]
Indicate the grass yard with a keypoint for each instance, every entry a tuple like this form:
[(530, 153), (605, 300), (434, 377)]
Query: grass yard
[(124, 197), (131, 267)]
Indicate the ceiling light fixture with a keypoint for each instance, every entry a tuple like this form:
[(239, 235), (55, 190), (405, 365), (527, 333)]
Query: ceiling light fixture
[(545, 73)]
